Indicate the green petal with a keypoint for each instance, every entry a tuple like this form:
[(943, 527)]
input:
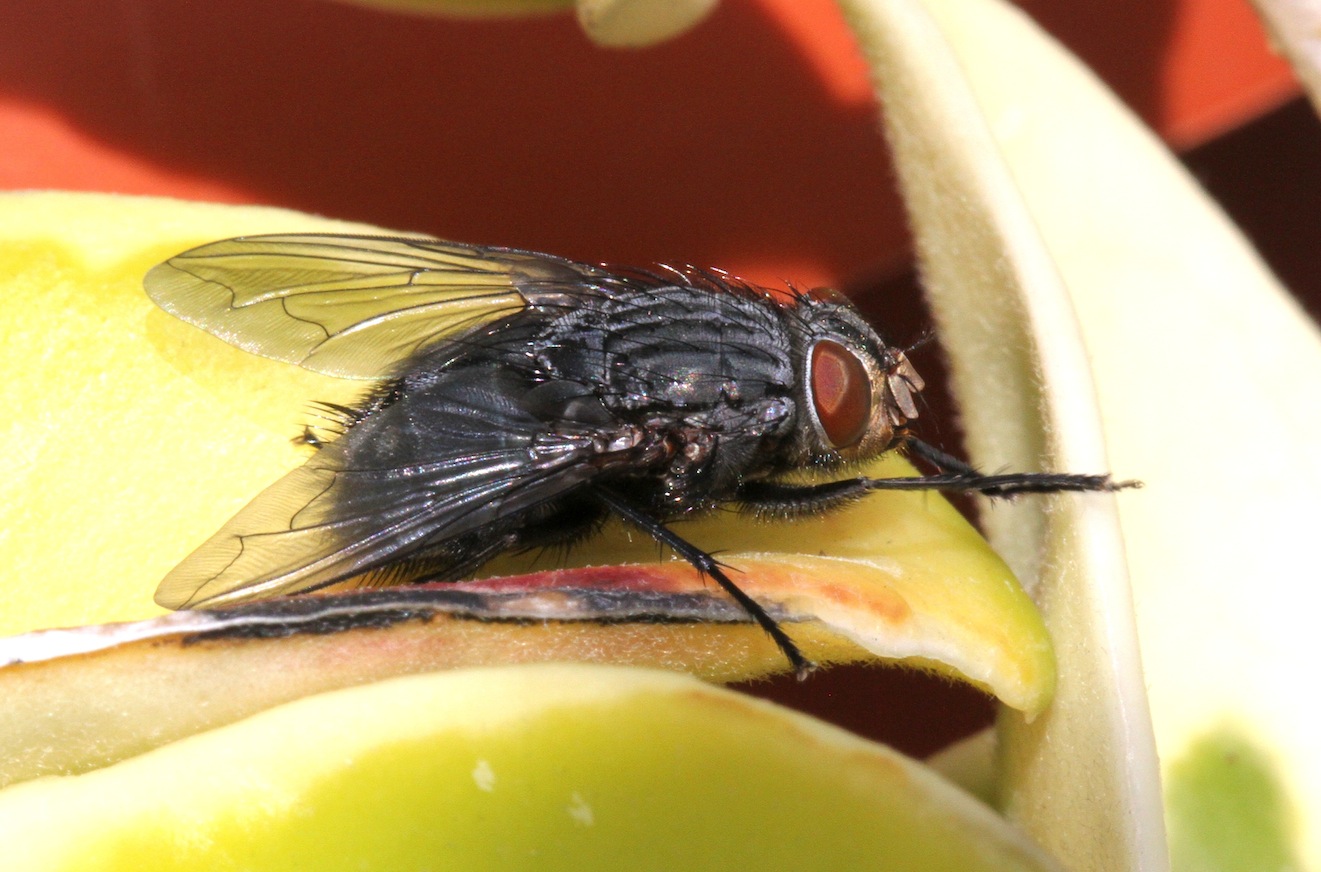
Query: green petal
[(550, 767)]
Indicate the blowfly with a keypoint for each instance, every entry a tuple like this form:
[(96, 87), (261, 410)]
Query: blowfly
[(522, 399)]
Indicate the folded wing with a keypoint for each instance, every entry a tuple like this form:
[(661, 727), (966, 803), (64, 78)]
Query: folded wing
[(348, 512), (353, 306)]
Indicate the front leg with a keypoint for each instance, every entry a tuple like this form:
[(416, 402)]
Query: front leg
[(958, 475), (778, 500)]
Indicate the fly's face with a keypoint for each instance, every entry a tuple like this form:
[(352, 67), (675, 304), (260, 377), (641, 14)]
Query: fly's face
[(857, 392)]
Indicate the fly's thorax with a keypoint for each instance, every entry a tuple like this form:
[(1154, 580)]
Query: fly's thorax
[(856, 393), (671, 350)]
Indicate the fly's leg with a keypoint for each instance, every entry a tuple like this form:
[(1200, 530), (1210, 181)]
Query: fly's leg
[(775, 501), (968, 478), (780, 500), (707, 565), (309, 438)]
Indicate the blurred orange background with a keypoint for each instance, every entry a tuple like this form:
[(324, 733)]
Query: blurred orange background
[(749, 143)]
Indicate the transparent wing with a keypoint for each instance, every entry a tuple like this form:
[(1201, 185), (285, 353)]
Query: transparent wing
[(326, 521), (353, 306)]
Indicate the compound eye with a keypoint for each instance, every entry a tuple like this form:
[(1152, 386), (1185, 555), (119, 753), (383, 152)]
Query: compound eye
[(841, 392)]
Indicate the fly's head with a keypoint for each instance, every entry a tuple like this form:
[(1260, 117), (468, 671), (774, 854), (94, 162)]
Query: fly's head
[(857, 393)]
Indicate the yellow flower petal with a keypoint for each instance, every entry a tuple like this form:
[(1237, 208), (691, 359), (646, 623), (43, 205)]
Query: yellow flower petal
[(143, 435)]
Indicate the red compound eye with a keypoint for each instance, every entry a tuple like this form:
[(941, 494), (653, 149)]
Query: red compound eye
[(841, 392)]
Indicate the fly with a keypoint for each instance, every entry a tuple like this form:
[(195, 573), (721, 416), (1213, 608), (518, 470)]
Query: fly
[(522, 399)]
